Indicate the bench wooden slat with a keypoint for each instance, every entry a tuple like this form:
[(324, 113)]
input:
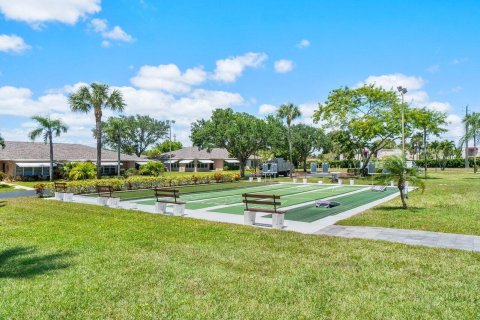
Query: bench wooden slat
[(267, 203), (266, 210), (60, 186), (167, 193), (260, 196), (104, 191)]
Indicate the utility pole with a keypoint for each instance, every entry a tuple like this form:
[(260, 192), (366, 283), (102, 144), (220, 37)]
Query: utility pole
[(170, 123), (119, 145), (467, 164)]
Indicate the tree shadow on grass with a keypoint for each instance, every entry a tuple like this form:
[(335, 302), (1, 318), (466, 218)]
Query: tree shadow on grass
[(3, 203), (399, 209), (24, 262)]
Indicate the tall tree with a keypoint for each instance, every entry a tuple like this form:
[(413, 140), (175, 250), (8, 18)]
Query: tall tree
[(306, 140), (370, 116), (240, 133), (289, 112), (164, 147), (397, 170), (2, 142), (434, 148), (447, 149), (428, 122), (114, 131), (47, 128), (97, 97), (473, 122)]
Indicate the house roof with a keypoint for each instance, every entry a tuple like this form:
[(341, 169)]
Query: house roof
[(39, 151), (192, 153)]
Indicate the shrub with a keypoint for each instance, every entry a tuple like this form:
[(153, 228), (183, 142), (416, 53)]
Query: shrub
[(83, 171), (3, 176), (131, 172), (218, 176), (152, 168)]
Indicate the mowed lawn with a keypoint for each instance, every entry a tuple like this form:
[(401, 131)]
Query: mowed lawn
[(450, 203), (73, 261)]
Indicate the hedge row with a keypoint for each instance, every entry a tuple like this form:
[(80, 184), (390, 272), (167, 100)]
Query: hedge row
[(142, 182)]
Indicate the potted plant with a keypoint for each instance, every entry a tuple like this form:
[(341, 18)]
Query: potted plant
[(40, 189)]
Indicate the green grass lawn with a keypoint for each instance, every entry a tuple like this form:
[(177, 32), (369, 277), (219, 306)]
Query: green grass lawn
[(450, 203), (6, 188), (73, 261)]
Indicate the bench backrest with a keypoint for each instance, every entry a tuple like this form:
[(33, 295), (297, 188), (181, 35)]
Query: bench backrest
[(166, 193), (60, 186), (261, 199), (104, 191)]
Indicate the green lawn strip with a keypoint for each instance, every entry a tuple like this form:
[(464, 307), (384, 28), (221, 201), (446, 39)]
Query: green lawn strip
[(310, 213), (7, 188), (74, 261), (449, 204), (293, 199), (215, 198)]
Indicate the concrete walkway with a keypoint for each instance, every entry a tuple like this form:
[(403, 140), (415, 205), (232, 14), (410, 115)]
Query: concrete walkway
[(412, 237)]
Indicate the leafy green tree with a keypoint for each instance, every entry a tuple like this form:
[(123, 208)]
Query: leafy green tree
[(97, 98), (82, 171), (2, 142), (447, 149), (398, 172), (429, 122), (435, 148), (289, 112), (368, 116), (240, 133), (47, 128), (306, 140), (342, 143), (416, 145), (143, 132), (472, 121), (114, 132), (152, 168), (164, 147)]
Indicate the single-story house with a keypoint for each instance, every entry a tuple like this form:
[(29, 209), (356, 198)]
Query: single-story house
[(32, 159), (193, 159)]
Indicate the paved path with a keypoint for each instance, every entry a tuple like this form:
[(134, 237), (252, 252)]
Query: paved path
[(16, 194), (412, 237)]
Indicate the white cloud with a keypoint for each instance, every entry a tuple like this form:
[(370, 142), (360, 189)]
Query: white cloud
[(37, 12), (116, 34), (106, 44), (168, 78), (304, 43), (283, 66), (392, 81), (265, 109), (12, 44), (19, 102), (438, 106), (459, 60), (228, 70), (434, 68)]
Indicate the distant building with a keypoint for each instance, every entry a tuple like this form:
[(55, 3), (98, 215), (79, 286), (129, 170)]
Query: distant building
[(391, 152), (193, 159), (32, 159)]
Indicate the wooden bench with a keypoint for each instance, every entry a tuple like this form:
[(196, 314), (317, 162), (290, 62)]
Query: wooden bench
[(61, 190), (269, 200), (105, 196), (166, 196)]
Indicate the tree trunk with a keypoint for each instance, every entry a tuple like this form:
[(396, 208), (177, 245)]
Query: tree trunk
[(242, 168), (98, 128), (51, 155), (305, 165), (119, 164), (401, 187), (290, 149), (474, 155), (425, 150)]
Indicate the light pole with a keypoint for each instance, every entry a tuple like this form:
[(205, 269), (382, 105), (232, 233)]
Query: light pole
[(170, 123), (402, 91)]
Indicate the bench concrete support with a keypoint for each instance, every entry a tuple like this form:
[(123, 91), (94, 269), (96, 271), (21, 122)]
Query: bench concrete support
[(250, 179), (102, 201), (249, 217), (113, 202), (179, 209), (68, 196), (294, 180), (278, 220), (305, 181), (59, 196), (259, 179), (160, 207), (320, 182), (352, 182), (392, 184), (340, 181)]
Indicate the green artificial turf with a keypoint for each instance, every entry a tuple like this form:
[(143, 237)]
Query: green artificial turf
[(450, 203), (73, 261), (311, 213), (294, 198)]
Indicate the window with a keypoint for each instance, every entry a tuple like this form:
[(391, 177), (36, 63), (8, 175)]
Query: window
[(109, 170), (190, 165)]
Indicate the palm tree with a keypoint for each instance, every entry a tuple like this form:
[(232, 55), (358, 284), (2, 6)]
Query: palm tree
[(472, 121), (2, 142), (48, 128), (97, 97), (398, 171), (289, 112), (447, 148), (435, 149)]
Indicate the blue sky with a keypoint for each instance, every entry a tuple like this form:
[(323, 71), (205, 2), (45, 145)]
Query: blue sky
[(181, 59)]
